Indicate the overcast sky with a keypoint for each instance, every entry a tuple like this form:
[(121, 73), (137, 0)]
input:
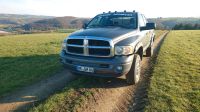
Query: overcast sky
[(89, 8)]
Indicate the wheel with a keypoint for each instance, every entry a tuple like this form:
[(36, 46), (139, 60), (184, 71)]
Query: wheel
[(149, 51), (133, 76)]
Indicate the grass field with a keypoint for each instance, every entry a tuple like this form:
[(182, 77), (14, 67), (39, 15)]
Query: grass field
[(73, 95), (175, 83), (25, 59), (66, 30)]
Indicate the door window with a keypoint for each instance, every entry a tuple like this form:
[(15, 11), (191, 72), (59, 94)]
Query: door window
[(141, 21)]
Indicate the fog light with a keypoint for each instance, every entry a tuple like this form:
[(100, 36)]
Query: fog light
[(119, 68)]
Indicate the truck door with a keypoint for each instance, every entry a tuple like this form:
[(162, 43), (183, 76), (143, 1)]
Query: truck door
[(143, 33), (148, 32)]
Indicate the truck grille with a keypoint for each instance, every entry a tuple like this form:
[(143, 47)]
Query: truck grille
[(89, 47), (78, 50)]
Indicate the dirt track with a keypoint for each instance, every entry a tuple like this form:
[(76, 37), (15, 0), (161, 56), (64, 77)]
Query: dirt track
[(115, 96), (26, 97)]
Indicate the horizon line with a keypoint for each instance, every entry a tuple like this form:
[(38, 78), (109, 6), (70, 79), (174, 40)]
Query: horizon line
[(92, 17)]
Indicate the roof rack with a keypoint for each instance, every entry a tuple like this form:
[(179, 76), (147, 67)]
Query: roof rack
[(120, 12)]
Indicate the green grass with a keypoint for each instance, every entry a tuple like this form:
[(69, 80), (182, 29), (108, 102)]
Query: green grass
[(70, 98), (175, 82), (25, 59), (66, 30)]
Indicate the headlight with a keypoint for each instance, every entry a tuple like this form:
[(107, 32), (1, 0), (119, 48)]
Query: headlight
[(123, 50)]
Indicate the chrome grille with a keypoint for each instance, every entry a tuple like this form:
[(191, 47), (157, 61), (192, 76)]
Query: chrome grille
[(85, 46)]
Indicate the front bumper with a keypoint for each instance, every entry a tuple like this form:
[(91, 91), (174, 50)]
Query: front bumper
[(103, 67)]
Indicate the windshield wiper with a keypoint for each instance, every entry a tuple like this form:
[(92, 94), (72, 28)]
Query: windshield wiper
[(94, 26)]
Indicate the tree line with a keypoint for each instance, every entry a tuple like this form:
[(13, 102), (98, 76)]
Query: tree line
[(182, 26)]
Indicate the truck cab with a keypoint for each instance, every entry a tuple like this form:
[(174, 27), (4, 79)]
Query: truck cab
[(111, 45)]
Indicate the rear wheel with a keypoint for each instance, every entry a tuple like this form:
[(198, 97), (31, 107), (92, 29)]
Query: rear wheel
[(133, 75), (149, 51)]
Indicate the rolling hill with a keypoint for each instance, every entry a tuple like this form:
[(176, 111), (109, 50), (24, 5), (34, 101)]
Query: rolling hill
[(67, 22), (13, 22), (16, 19)]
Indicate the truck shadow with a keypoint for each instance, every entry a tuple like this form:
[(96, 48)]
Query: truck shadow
[(102, 82)]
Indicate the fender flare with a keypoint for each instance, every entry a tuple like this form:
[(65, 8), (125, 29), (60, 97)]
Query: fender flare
[(137, 47)]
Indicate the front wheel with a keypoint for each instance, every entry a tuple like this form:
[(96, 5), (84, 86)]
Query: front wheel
[(133, 75)]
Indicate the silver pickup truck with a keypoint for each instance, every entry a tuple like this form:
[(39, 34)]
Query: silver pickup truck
[(111, 45)]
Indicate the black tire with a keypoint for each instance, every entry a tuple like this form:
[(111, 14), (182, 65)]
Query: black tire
[(149, 51), (133, 76)]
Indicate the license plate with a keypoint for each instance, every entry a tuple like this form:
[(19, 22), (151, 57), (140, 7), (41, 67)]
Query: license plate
[(85, 69)]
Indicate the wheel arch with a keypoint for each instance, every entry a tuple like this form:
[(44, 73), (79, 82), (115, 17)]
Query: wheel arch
[(139, 50)]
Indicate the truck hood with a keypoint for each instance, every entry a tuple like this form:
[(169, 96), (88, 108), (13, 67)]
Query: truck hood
[(112, 32)]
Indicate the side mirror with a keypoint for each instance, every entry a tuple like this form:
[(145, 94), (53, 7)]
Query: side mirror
[(84, 26), (149, 26)]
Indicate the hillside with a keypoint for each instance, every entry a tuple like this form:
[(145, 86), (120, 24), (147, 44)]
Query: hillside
[(67, 22), (169, 23), (15, 19)]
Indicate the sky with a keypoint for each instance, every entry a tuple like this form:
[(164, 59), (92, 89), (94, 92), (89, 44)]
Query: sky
[(90, 8)]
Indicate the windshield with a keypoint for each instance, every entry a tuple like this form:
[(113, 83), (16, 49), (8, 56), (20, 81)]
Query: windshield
[(114, 20)]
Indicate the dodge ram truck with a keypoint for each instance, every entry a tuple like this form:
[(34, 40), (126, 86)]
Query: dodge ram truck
[(110, 45)]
